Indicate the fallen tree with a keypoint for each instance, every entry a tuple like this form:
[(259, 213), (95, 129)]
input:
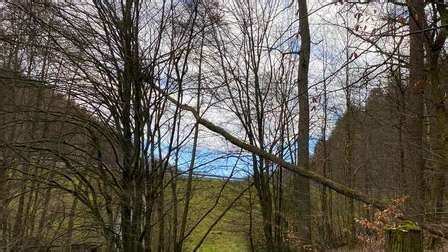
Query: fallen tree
[(338, 187)]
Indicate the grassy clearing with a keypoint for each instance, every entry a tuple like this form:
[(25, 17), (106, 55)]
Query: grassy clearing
[(231, 232)]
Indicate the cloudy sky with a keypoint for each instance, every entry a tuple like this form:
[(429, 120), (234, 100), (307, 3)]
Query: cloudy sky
[(333, 48)]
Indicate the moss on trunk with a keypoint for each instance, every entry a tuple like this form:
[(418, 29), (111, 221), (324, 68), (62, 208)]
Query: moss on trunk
[(407, 237)]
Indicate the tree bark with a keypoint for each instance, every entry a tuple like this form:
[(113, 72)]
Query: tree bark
[(415, 187), (302, 184), (403, 240), (71, 225), (438, 99)]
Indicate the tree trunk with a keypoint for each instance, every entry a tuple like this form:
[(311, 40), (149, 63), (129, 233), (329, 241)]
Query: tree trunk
[(325, 199), (403, 239), (302, 184), (348, 150), (415, 187), (126, 213), (438, 99), (71, 225), (3, 204)]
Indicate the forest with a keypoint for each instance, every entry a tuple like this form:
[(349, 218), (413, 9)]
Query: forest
[(223, 125)]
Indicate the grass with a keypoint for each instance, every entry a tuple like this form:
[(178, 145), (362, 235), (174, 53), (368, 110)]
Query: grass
[(231, 232)]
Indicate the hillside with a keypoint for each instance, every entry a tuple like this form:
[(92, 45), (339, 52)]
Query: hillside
[(212, 125)]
